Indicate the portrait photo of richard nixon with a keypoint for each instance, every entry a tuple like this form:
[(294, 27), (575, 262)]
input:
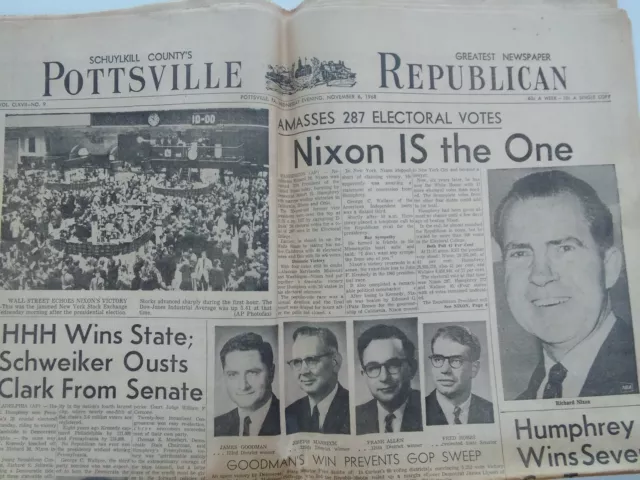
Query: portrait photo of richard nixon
[(562, 300)]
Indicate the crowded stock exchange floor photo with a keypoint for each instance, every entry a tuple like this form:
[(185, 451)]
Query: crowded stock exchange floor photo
[(154, 200)]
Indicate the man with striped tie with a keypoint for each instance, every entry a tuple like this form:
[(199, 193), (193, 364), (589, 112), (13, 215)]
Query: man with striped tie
[(388, 364), (455, 361), (247, 364), (315, 364), (560, 261)]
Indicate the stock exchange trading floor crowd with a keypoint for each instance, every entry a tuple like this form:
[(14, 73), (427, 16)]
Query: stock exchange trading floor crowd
[(121, 234)]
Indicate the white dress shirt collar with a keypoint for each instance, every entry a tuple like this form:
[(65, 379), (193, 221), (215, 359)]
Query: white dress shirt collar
[(396, 424), (448, 407), (578, 361), (323, 405), (257, 417)]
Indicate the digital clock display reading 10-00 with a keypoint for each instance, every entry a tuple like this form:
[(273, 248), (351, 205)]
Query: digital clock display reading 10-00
[(203, 119)]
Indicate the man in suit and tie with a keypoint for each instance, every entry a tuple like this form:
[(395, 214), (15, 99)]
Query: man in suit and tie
[(388, 364), (455, 362), (560, 261), (248, 368), (315, 362)]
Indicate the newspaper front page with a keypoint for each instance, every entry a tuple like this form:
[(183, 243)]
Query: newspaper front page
[(382, 241)]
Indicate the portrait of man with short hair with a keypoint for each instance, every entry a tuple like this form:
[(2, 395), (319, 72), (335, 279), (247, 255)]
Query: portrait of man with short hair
[(558, 278), (315, 363), (248, 369), (455, 361), (388, 365)]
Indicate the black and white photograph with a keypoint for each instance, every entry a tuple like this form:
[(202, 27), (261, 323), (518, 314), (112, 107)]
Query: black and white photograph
[(387, 378), (457, 376), (316, 392), (155, 200), (562, 299), (246, 385)]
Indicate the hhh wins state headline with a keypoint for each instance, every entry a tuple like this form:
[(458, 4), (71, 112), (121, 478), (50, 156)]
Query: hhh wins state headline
[(21, 366)]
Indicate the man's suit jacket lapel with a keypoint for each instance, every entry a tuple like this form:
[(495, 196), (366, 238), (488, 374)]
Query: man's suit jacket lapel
[(367, 418), (271, 424), (614, 370), (534, 383), (304, 415), (412, 417), (234, 424), (480, 410), (337, 418), (229, 424), (476, 415), (435, 415)]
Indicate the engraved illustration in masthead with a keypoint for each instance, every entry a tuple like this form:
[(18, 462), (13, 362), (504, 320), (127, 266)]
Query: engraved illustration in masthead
[(301, 76)]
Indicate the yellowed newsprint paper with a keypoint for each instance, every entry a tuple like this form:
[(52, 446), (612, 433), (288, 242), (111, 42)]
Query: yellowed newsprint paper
[(359, 240)]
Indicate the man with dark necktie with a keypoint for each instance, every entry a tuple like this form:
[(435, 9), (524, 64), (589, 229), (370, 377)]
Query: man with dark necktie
[(248, 368), (560, 262), (455, 362), (315, 362), (388, 362)]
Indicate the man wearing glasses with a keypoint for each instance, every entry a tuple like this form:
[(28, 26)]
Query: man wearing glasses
[(315, 362), (388, 362), (455, 361), (248, 369)]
